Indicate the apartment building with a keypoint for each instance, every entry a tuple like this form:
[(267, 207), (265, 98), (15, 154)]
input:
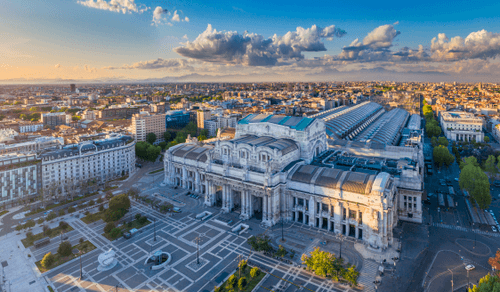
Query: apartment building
[(99, 160), (202, 116), (461, 126), (34, 146), (20, 177), (55, 119), (145, 123)]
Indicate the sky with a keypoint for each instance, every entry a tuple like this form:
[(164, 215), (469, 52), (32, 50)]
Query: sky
[(248, 41)]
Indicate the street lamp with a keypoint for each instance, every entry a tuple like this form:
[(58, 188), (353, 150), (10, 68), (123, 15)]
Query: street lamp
[(341, 237), (468, 281), (75, 252), (451, 279), (197, 239), (154, 220)]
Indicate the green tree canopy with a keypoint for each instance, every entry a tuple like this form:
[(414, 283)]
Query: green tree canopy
[(64, 249), (488, 283), (486, 139), (118, 207), (167, 136), (489, 165), (443, 156), (443, 141), (151, 138), (321, 262), (48, 260), (204, 132), (153, 152), (476, 183), (434, 141)]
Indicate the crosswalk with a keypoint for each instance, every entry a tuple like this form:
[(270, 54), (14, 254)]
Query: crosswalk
[(460, 228), (367, 275)]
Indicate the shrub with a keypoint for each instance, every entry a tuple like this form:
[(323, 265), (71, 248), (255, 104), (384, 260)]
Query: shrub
[(81, 240), (217, 289), (137, 216), (62, 212), (86, 213), (91, 203), (19, 227), (143, 220), (99, 200), (48, 260), (232, 280), (64, 249), (101, 208), (30, 223), (242, 282), (115, 232), (48, 232), (71, 210), (254, 272), (29, 234), (109, 226), (63, 225), (51, 216), (40, 221), (129, 225)]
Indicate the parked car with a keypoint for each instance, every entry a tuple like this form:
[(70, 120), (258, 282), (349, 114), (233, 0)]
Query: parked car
[(494, 229)]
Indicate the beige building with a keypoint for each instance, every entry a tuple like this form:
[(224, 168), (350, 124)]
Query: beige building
[(202, 116), (145, 123), (462, 126)]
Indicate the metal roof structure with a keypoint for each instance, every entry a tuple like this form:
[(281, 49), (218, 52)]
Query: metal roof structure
[(386, 129), (297, 123), (284, 145)]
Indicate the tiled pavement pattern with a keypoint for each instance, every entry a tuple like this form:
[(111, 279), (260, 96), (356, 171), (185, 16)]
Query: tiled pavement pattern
[(218, 247)]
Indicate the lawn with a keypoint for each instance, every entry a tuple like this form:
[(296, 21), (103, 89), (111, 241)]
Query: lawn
[(58, 260), (92, 217), (251, 284), (156, 171), (126, 227), (27, 242), (4, 212)]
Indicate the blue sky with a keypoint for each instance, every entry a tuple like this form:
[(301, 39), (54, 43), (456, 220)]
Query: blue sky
[(79, 39)]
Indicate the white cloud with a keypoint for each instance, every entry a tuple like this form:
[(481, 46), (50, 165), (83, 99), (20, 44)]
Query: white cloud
[(252, 49), (165, 64), (186, 19), (123, 6), (159, 16), (176, 17), (89, 69), (185, 37), (477, 45)]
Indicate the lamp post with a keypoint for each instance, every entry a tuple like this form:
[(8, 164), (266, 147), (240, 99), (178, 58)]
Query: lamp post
[(75, 252), (451, 279), (154, 220), (468, 282), (197, 239), (341, 237), (282, 232)]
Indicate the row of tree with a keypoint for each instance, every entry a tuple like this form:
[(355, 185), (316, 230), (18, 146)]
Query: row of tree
[(432, 127), (147, 151), (475, 182)]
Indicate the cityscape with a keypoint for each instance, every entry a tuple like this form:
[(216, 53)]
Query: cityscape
[(161, 153)]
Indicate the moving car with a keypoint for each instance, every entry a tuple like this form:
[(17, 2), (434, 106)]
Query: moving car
[(470, 267)]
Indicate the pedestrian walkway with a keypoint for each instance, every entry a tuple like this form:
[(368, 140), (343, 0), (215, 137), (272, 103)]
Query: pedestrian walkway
[(367, 275), (454, 227)]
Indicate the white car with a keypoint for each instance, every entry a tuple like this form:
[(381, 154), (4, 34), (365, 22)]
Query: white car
[(456, 179), (470, 267), (494, 229)]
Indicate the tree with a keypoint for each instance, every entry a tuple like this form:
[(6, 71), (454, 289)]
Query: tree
[(63, 225), (202, 137), (30, 223), (71, 210), (47, 261), (33, 109), (115, 232), (204, 132), (254, 272), (434, 141), (486, 139), (151, 138), (493, 261), (443, 141), (489, 165), (488, 283), (320, 262), (231, 282), (242, 282), (153, 152), (167, 136), (44, 229), (217, 289), (281, 251), (61, 212), (476, 183), (442, 156), (242, 265), (118, 207), (64, 249), (108, 227), (162, 145), (138, 216), (29, 235), (351, 275)]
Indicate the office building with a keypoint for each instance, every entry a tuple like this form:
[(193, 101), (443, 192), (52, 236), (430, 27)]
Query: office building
[(20, 178), (145, 123), (461, 126), (176, 119)]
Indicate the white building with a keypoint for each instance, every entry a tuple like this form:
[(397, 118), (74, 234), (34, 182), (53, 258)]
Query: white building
[(99, 159), (145, 123), (34, 146), (265, 172), (31, 127), (20, 177), (461, 126)]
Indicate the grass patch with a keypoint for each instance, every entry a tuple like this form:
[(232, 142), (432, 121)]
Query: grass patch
[(93, 217), (4, 212), (156, 171), (59, 260), (125, 228), (27, 242), (50, 288), (251, 284)]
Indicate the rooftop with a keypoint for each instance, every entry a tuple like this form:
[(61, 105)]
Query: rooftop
[(297, 123)]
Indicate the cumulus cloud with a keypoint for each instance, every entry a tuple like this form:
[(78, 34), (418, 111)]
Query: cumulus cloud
[(159, 16), (477, 45), (374, 47), (57, 66), (176, 17), (185, 37), (253, 49), (123, 6), (186, 19), (166, 64), (89, 69)]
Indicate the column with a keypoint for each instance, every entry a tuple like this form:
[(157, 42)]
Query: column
[(312, 209), (243, 204), (329, 227), (264, 208), (356, 228), (250, 207)]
